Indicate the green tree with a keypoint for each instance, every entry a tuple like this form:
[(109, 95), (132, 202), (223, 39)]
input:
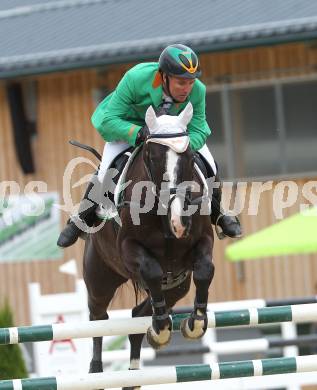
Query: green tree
[(12, 365)]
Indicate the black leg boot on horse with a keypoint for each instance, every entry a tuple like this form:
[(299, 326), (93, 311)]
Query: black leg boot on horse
[(230, 225), (85, 218)]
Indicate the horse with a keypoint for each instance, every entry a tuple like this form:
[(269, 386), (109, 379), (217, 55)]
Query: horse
[(163, 250)]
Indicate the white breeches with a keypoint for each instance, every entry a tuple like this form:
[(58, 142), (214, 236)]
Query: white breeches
[(205, 152), (110, 152), (113, 149)]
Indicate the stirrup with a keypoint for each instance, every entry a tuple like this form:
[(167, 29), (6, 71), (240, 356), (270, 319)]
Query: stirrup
[(220, 234)]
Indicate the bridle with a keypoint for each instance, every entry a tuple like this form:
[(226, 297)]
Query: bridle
[(169, 193)]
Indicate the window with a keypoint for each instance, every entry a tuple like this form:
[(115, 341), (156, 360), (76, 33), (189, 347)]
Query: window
[(255, 137), (270, 129), (301, 126), (216, 141)]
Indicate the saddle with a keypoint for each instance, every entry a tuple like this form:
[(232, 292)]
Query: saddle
[(121, 163)]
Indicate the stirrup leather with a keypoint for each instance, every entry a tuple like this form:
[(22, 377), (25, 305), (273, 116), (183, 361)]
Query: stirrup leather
[(82, 225)]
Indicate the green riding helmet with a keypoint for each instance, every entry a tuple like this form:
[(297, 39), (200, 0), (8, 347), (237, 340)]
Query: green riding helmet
[(181, 61)]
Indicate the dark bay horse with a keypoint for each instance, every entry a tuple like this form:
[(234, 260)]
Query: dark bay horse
[(161, 249)]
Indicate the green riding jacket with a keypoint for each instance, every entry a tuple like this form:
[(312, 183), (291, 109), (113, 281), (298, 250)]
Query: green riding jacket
[(121, 114)]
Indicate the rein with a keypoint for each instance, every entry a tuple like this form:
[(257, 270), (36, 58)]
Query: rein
[(163, 135)]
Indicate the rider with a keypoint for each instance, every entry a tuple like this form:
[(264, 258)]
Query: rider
[(119, 118)]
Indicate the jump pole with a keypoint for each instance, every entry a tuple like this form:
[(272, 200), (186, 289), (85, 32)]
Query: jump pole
[(219, 347), (245, 317), (165, 375), (235, 305)]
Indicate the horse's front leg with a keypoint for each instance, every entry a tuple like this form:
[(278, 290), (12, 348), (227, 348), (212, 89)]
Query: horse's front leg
[(195, 325), (159, 334), (142, 265)]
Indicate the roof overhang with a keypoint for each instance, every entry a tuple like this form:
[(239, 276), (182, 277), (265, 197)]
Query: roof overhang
[(267, 34)]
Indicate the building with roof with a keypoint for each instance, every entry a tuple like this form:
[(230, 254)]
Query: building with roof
[(51, 36), (58, 58)]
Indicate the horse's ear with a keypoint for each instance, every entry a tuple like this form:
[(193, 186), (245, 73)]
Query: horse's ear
[(150, 118), (186, 115)]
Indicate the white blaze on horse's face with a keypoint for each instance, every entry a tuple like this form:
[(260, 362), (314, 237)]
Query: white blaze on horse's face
[(167, 124), (177, 228)]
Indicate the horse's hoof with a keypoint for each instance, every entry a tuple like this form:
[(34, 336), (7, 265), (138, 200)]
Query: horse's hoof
[(95, 366), (160, 340), (193, 329)]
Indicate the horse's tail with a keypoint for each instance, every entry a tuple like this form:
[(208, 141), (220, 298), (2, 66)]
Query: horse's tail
[(138, 291)]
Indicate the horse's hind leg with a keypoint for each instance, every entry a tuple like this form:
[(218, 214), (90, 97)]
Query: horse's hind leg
[(144, 309), (96, 361), (102, 283), (98, 311)]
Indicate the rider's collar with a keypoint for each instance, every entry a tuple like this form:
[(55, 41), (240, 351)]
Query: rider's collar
[(158, 81)]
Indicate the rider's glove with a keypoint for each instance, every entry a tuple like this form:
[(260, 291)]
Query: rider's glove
[(141, 136)]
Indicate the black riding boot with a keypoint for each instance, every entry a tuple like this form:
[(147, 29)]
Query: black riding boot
[(229, 225), (85, 217)]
